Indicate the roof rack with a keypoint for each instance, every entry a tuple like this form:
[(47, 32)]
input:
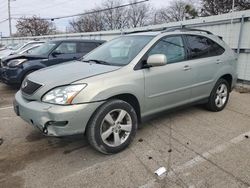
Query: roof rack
[(142, 31), (183, 29), (163, 30)]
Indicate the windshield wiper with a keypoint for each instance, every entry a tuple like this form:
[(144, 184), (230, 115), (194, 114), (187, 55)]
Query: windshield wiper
[(97, 61)]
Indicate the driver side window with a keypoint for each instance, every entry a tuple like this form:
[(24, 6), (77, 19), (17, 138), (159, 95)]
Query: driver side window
[(66, 48), (172, 47)]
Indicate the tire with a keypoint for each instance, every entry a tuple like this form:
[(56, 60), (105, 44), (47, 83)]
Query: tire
[(112, 127), (219, 96)]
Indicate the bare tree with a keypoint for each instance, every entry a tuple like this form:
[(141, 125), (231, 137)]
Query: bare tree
[(178, 10), (34, 26), (215, 7), (88, 23), (138, 14), (106, 17), (110, 19), (114, 18)]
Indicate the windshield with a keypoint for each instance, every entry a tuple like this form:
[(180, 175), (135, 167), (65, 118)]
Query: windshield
[(120, 51), (25, 47), (29, 50), (44, 49)]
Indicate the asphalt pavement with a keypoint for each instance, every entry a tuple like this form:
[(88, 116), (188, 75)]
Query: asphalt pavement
[(198, 148)]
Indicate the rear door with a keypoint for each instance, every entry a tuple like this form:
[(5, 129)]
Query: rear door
[(205, 61), (170, 85)]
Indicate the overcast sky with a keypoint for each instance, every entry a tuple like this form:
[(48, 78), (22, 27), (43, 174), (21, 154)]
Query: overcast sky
[(51, 8)]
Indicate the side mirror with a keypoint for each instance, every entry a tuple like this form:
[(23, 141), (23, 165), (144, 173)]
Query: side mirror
[(55, 53), (157, 60)]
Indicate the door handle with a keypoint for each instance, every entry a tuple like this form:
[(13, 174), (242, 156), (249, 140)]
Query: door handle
[(218, 61), (186, 68)]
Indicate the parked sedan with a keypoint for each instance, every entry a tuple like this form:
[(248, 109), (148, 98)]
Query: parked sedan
[(15, 68)]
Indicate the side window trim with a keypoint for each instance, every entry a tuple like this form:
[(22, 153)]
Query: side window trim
[(55, 47), (185, 47), (140, 63)]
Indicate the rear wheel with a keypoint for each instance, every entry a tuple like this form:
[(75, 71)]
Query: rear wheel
[(112, 127), (219, 96)]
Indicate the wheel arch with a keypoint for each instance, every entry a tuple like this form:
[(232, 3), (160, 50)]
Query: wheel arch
[(127, 97), (28, 71), (132, 100), (229, 79)]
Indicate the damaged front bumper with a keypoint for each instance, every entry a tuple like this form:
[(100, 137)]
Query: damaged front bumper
[(55, 120)]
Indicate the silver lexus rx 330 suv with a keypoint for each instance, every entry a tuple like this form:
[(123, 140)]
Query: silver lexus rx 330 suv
[(123, 82)]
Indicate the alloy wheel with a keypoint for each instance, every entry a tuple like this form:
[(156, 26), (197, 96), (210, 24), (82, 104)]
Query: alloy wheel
[(221, 95), (116, 127)]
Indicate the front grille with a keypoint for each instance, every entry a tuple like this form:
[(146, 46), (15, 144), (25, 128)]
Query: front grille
[(29, 87)]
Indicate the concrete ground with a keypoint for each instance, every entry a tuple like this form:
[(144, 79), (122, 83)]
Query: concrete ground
[(197, 147)]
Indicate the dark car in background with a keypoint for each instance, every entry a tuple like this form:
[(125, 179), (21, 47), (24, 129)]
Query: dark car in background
[(14, 69)]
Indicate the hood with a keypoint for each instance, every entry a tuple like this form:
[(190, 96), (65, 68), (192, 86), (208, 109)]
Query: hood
[(64, 74), (20, 56)]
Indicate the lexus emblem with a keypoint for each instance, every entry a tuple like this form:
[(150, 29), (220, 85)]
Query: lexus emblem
[(24, 84)]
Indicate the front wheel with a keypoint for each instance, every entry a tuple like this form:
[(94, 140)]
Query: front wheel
[(219, 96), (112, 127)]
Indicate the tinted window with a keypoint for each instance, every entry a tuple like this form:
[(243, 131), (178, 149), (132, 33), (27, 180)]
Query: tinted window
[(172, 47), (201, 47), (85, 47), (66, 48), (215, 49)]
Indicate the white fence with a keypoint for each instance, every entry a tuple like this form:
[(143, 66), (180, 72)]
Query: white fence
[(233, 27)]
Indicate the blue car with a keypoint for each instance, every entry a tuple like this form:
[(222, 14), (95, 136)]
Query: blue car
[(15, 68)]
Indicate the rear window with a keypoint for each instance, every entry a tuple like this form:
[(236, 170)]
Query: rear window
[(201, 47), (215, 49), (85, 47)]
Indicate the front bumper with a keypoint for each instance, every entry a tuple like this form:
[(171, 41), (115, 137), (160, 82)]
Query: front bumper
[(11, 75), (55, 120)]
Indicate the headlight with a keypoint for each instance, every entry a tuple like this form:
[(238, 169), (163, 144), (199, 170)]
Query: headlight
[(63, 95), (16, 62)]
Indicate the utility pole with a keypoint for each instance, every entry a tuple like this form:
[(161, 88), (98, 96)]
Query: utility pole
[(10, 29), (233, 6)]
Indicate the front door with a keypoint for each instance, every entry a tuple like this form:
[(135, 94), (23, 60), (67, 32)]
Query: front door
[(170, 85)]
